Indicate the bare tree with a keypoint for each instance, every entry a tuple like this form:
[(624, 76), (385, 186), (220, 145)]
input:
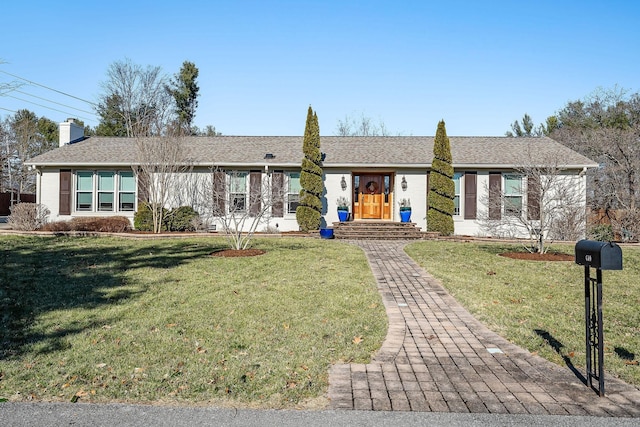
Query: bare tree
[(362, 126), (606, 128), (241, 201), (24, 135), (6, 148), (540, 200), (161, 169), (136, 104), (136, 99), (163, 163)]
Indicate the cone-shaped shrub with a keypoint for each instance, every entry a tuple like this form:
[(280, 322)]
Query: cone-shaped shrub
[(441, 185), (309, 209)]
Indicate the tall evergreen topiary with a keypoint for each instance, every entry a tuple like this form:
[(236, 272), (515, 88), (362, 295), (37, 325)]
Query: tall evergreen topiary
[(441, 185), (310, 206)]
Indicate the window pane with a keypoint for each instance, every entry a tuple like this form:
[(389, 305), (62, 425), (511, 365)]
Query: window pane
[(105, 181), (127, 201), (85, 181), (456, 182), (294, 183), (513, 205), (105, 201), (294, 200), (513, 185), (127, 181), (238, 182), (238, 203), (84, 201)]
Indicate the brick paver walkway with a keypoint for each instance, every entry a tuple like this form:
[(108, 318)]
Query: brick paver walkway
[(437, 357)]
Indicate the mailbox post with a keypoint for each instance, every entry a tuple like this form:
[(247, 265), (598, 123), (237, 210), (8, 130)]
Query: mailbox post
[(601, 256)]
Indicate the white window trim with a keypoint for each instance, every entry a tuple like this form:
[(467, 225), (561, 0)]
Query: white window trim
[(520, 194), (230, 176), (289, 193), (459, 194), (95, 208)]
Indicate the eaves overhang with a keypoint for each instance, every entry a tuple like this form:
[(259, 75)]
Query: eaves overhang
[(511, 166)]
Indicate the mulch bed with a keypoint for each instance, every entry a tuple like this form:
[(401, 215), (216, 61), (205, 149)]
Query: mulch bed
[(233, 253), (538, 257)]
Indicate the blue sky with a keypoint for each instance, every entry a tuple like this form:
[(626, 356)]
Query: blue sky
[(479, 65)]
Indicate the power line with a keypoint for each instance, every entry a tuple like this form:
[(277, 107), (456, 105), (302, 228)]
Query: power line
[(49, 108), (6, 109), (49, 88), (54, 102)]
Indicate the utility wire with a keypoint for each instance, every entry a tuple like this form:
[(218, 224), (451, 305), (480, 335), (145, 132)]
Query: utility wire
[(47, 87), (49, 108), (6, 109), (54, 102)]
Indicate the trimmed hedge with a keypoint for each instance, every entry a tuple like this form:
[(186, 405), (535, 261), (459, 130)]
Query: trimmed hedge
[(110, 224), (183, 218), (308, 212), (441, 185), (143, 219)]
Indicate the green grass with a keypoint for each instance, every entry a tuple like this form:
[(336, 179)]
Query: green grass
[(540, 305), (105, 319)]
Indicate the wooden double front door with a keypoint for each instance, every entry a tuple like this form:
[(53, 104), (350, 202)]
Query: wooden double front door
[(372, 196)]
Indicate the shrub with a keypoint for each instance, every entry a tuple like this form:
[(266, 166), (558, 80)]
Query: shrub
[(441, 185), (57, 226), (110, 224), (270, 229), (601, 232), (181, 219), (308, 212), (143, 219), (28, 216)]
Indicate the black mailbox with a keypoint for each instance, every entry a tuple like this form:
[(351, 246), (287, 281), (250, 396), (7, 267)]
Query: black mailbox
[(602, 255)]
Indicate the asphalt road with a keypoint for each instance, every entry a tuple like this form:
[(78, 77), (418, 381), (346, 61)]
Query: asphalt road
[(85, 414)]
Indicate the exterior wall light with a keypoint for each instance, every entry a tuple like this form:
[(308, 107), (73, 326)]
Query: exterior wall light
[(403, 184), (343, 183)]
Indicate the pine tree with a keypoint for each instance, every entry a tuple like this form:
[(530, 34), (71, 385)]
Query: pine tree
[(184, 90), (441, 185), (309, 209)]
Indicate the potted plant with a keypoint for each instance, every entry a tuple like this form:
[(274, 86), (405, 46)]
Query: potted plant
[(343, 208), (405, 210)]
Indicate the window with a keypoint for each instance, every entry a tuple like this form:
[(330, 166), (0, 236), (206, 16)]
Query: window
[(238, 193), (387, 186), (456, 199), (293, 192), (127, 192), (99, 191), (84, 191), (512, 195), (105, 191), (356, 189)]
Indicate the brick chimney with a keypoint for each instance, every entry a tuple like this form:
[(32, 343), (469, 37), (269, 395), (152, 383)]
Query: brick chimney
[(70, 132)]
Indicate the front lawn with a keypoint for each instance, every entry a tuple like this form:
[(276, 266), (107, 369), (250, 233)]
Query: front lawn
[(107, 319), (540, 305)]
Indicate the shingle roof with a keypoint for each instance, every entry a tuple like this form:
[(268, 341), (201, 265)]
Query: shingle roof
[(396, 151)]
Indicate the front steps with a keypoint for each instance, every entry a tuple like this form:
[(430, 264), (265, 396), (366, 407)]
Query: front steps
[(377, 230)]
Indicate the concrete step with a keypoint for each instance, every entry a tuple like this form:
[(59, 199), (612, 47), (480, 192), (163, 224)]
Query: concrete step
[(378, 230)]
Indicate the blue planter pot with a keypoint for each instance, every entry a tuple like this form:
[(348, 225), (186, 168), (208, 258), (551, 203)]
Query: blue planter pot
[(405, 216), (343, 215), (326, 233)]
